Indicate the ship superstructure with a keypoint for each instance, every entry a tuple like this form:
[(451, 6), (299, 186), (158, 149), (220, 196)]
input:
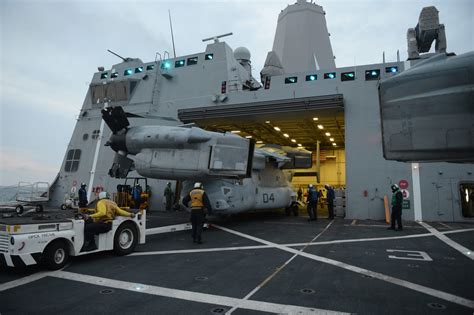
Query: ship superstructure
[(303, 100)]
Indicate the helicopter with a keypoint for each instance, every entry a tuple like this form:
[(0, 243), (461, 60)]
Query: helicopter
[(237, 175)]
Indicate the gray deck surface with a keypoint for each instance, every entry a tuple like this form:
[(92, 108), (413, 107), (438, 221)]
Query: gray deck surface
[(169, 274)]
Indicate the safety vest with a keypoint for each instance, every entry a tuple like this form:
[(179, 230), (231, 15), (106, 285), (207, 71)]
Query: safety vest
[(196, 198)]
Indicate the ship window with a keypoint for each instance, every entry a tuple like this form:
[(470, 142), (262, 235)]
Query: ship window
[(311, 77), (128, 72), (330, 75), (138, 69), (150, 67), (466, 191), (95, 134), (85, 136), (179, 63), (114, 75), (72, 160), (393, 69), (209, 57), (192, 61), (290, 80), (348, 76), (104, 75), (372, 74)]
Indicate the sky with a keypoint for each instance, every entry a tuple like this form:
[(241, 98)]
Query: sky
[(49, 50)]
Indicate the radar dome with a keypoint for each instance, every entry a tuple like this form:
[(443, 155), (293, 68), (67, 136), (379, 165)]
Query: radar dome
[(241, 53)]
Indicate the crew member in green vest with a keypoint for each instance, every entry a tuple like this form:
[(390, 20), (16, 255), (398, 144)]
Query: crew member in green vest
[(397, 200)]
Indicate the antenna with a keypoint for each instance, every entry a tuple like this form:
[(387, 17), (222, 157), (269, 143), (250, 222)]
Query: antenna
[(216, 38), (172, 37), (124, 59)]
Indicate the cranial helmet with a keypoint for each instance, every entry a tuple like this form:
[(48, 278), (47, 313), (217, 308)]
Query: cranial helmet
[(310, 186), (394, 187), (83, 185), (103, 195), (197, 185)]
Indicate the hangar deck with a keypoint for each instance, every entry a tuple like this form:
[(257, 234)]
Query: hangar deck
[(262, 263)]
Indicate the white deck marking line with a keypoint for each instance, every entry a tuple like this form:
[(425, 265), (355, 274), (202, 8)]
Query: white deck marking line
[(190, 296), (354, 222), (381, 226), (24, 280), (463, 250), (269, 278), (458, 231), (413, 286), (445, 225), (217, 249), (202, 250)]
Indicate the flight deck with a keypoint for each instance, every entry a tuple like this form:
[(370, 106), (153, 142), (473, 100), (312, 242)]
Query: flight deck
[(260, 263)]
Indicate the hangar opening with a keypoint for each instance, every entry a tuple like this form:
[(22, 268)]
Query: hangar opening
[(312, 123)]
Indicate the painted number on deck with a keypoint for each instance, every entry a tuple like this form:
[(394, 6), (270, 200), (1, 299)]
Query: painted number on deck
[(267, 198), (409, 255)]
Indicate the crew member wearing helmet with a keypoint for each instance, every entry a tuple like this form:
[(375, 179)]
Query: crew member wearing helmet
[(397, 200), (199, 205), (82, 196), (101, 221), (330, 198), (169, 196), (312, 201)]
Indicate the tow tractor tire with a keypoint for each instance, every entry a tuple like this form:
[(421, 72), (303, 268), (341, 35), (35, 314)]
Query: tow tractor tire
[(125, 239), (19, 209), (39, 208), (56, 255), (63, 207)]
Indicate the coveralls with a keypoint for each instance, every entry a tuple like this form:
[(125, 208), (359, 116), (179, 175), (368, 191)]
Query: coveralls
[(82, 197), (312, 201), (330, 197), (168, 197), (199, 204), (397, 200)]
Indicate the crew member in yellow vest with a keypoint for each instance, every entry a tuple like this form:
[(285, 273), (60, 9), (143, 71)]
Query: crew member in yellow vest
[(101, 221), (199, 206)]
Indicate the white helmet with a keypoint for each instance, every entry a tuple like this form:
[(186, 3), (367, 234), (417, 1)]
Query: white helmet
[(310, 185), (103, 195), (197, 185)]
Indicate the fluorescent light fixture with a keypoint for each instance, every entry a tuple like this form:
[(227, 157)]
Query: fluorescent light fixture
[(248, 137), (327, 134), (293, 140), (334, 144), (331, 139), (276, 128), (315, 118), (259, 141), (286, 135), (267, 122), (235, 131), (320, 127), (299, 144)]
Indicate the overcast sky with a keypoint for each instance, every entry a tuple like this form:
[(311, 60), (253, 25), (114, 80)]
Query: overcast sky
[(49, 50)]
